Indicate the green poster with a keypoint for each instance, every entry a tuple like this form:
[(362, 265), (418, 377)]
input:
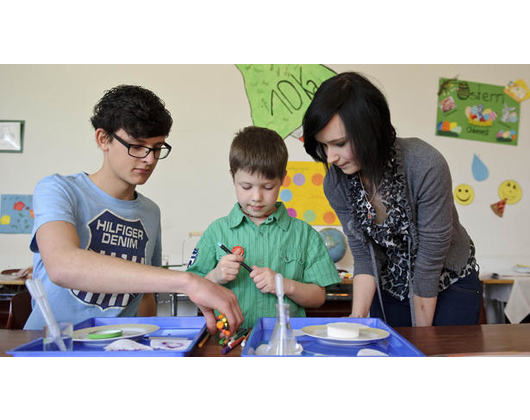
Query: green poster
[(477, 111), (279, 94)]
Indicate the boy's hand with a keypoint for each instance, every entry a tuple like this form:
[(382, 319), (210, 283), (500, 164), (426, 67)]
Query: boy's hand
[(227, 268), (264, 279)]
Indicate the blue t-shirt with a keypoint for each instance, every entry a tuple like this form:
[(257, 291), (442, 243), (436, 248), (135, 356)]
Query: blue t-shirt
[(104, 224)]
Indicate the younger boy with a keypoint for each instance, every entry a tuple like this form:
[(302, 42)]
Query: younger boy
[(272, 241), (96, 239)]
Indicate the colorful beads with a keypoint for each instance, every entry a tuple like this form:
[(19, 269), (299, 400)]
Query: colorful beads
[(222, 327)]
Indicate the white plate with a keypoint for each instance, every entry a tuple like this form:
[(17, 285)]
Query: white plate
[(366, 336), (130, 331)]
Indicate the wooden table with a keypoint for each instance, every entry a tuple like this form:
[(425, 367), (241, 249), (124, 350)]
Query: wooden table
[(432, 341), (497, 281), (469, 339), (9, 339)]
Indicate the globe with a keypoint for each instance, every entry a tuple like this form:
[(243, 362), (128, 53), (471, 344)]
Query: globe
[(335, 242)]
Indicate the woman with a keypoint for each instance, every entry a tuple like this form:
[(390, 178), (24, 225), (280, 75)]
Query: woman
[(394, 199)]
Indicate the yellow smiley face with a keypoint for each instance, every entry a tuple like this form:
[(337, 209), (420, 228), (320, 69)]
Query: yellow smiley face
[(464, 194), (510, 191)]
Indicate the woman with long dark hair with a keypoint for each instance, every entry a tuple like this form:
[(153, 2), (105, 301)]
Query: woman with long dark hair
[(394, 199)]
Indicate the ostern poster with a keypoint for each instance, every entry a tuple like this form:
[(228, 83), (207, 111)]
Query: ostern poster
[(477, 111)]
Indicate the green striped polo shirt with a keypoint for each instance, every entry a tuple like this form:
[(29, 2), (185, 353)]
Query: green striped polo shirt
[(284, 244)]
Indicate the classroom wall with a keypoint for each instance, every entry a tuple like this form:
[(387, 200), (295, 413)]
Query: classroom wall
[(209, 104)]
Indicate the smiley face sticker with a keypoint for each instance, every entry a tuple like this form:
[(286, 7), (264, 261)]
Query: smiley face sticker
[(464, 194), (510, 191)]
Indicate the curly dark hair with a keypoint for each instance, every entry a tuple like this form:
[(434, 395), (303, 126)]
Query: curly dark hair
[(135, 109)]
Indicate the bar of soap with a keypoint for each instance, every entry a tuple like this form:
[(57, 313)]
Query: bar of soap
[(344, 329)]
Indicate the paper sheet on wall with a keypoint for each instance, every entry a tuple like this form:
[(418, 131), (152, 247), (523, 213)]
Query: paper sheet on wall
[(279, 94), (303, 195), (16, 213), (477, 111)]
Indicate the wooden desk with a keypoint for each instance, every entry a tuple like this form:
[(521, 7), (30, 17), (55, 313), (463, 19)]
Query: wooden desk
[(12, 282), (10, 278), (497, 281), (9, 339), (432, 341), (469, 339), (213, 349)]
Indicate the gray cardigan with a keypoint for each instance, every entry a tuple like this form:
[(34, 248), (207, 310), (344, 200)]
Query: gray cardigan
[(436, 232)]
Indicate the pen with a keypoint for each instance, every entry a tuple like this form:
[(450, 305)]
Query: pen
[(241, 333), (244, 342), (225, 249), (232, 345), (204, 340)]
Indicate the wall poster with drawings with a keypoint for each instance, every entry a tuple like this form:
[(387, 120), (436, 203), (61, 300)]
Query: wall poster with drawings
[(279, 94), (303, 194), (16, 213), (477, 111)]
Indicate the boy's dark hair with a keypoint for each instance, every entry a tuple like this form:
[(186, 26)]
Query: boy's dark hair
[(364, 111), (256, 149), (135, 109)]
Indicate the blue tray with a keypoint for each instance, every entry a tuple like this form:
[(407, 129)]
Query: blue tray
[(189, 327), (393, 345)]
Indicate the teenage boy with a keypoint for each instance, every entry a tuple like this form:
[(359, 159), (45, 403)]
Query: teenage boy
[(97, 240), (270, 239)]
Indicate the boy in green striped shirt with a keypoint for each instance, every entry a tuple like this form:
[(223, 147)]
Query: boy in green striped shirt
[(271, 241)]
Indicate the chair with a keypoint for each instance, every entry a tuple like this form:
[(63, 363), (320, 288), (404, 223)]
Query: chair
[(19, 310)]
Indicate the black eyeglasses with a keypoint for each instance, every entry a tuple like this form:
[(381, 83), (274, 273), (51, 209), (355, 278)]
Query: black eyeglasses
[(139, 152)]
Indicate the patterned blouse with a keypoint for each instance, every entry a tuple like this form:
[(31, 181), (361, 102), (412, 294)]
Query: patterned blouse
[(394, 236)]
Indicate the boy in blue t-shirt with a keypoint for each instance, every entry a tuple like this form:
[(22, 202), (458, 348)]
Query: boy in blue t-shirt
[(96, 240)]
